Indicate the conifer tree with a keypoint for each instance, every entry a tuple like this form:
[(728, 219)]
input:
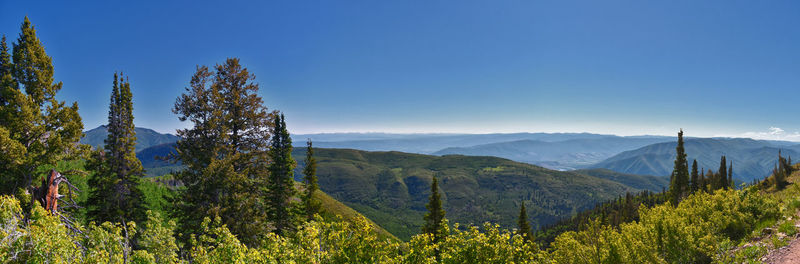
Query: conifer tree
[(434, 219), (777, 176), (311, 205), (281, 179), (782, 170), (679, 181), (710, 181), (694, 179), (524, 228), (36, 129), (730, 176), (6, 80), (722, 174), (224, 152), (701, 185), (114, 195)]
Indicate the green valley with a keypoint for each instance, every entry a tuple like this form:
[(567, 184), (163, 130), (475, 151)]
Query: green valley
[(391, 188)]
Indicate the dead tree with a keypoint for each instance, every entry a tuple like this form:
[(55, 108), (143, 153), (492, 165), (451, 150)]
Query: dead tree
[(47, 194)]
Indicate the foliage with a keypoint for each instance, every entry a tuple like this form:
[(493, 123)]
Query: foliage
[(280, 185), (224, 151), (157, 239), (114, 193), (679, 180), (690, 233), (612, 213), (523, 227), (434, 219), (35, 128), (158, 195), (311, 205)]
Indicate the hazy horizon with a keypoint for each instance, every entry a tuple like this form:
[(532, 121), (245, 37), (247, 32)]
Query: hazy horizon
[(774, 133)]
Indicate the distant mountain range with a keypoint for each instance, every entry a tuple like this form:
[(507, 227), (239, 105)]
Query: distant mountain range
[(752, 159), (638, 155), (429, 143), (561, 155), (145, 137)]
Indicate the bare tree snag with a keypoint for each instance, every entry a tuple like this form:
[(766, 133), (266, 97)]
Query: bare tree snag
[(47, 194)]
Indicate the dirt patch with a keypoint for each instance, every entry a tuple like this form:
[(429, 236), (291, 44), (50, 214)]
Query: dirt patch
[(787, 254)]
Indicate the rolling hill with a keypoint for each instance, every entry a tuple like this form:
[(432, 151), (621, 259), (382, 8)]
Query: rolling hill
[(145, 137), (561, 155), (392, 188), (752, 159)]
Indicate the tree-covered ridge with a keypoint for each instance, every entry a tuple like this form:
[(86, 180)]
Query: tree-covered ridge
[(391, 188)]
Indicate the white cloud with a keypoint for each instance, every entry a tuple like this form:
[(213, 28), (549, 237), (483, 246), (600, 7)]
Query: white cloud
[(773, 133)]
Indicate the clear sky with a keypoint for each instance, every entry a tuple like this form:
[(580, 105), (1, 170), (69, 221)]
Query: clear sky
[(621, 67)]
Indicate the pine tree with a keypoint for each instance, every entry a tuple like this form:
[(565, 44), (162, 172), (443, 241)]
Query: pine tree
[(6, 79), (777, 176), (701, 185), (679, 181), (434, 219), (722, 174), (281, 179), (311, 205), (694, 180), (224, 152), (524, 229), (730, 176), (782, 170), (114, 195), (36, 129)]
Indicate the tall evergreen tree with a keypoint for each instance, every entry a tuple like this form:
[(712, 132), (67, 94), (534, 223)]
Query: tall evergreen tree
[(722, 174), (114, 194), (6, 67), (281, 179), (701, 185), (679, 181), (311, 205), (434, 219), (694, 180), (730, 176), (225, 151), (36, 129), (782, 170), (524, 228)]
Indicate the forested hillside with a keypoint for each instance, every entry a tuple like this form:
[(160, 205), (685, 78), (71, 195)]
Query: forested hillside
[(752, 159), (391, 188)]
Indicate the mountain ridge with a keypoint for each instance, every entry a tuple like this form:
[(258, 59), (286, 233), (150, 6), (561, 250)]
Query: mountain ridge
[(145, 137), (752, 159)]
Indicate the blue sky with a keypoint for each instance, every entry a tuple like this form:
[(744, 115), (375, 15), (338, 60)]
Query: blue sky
[(621, 67)]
